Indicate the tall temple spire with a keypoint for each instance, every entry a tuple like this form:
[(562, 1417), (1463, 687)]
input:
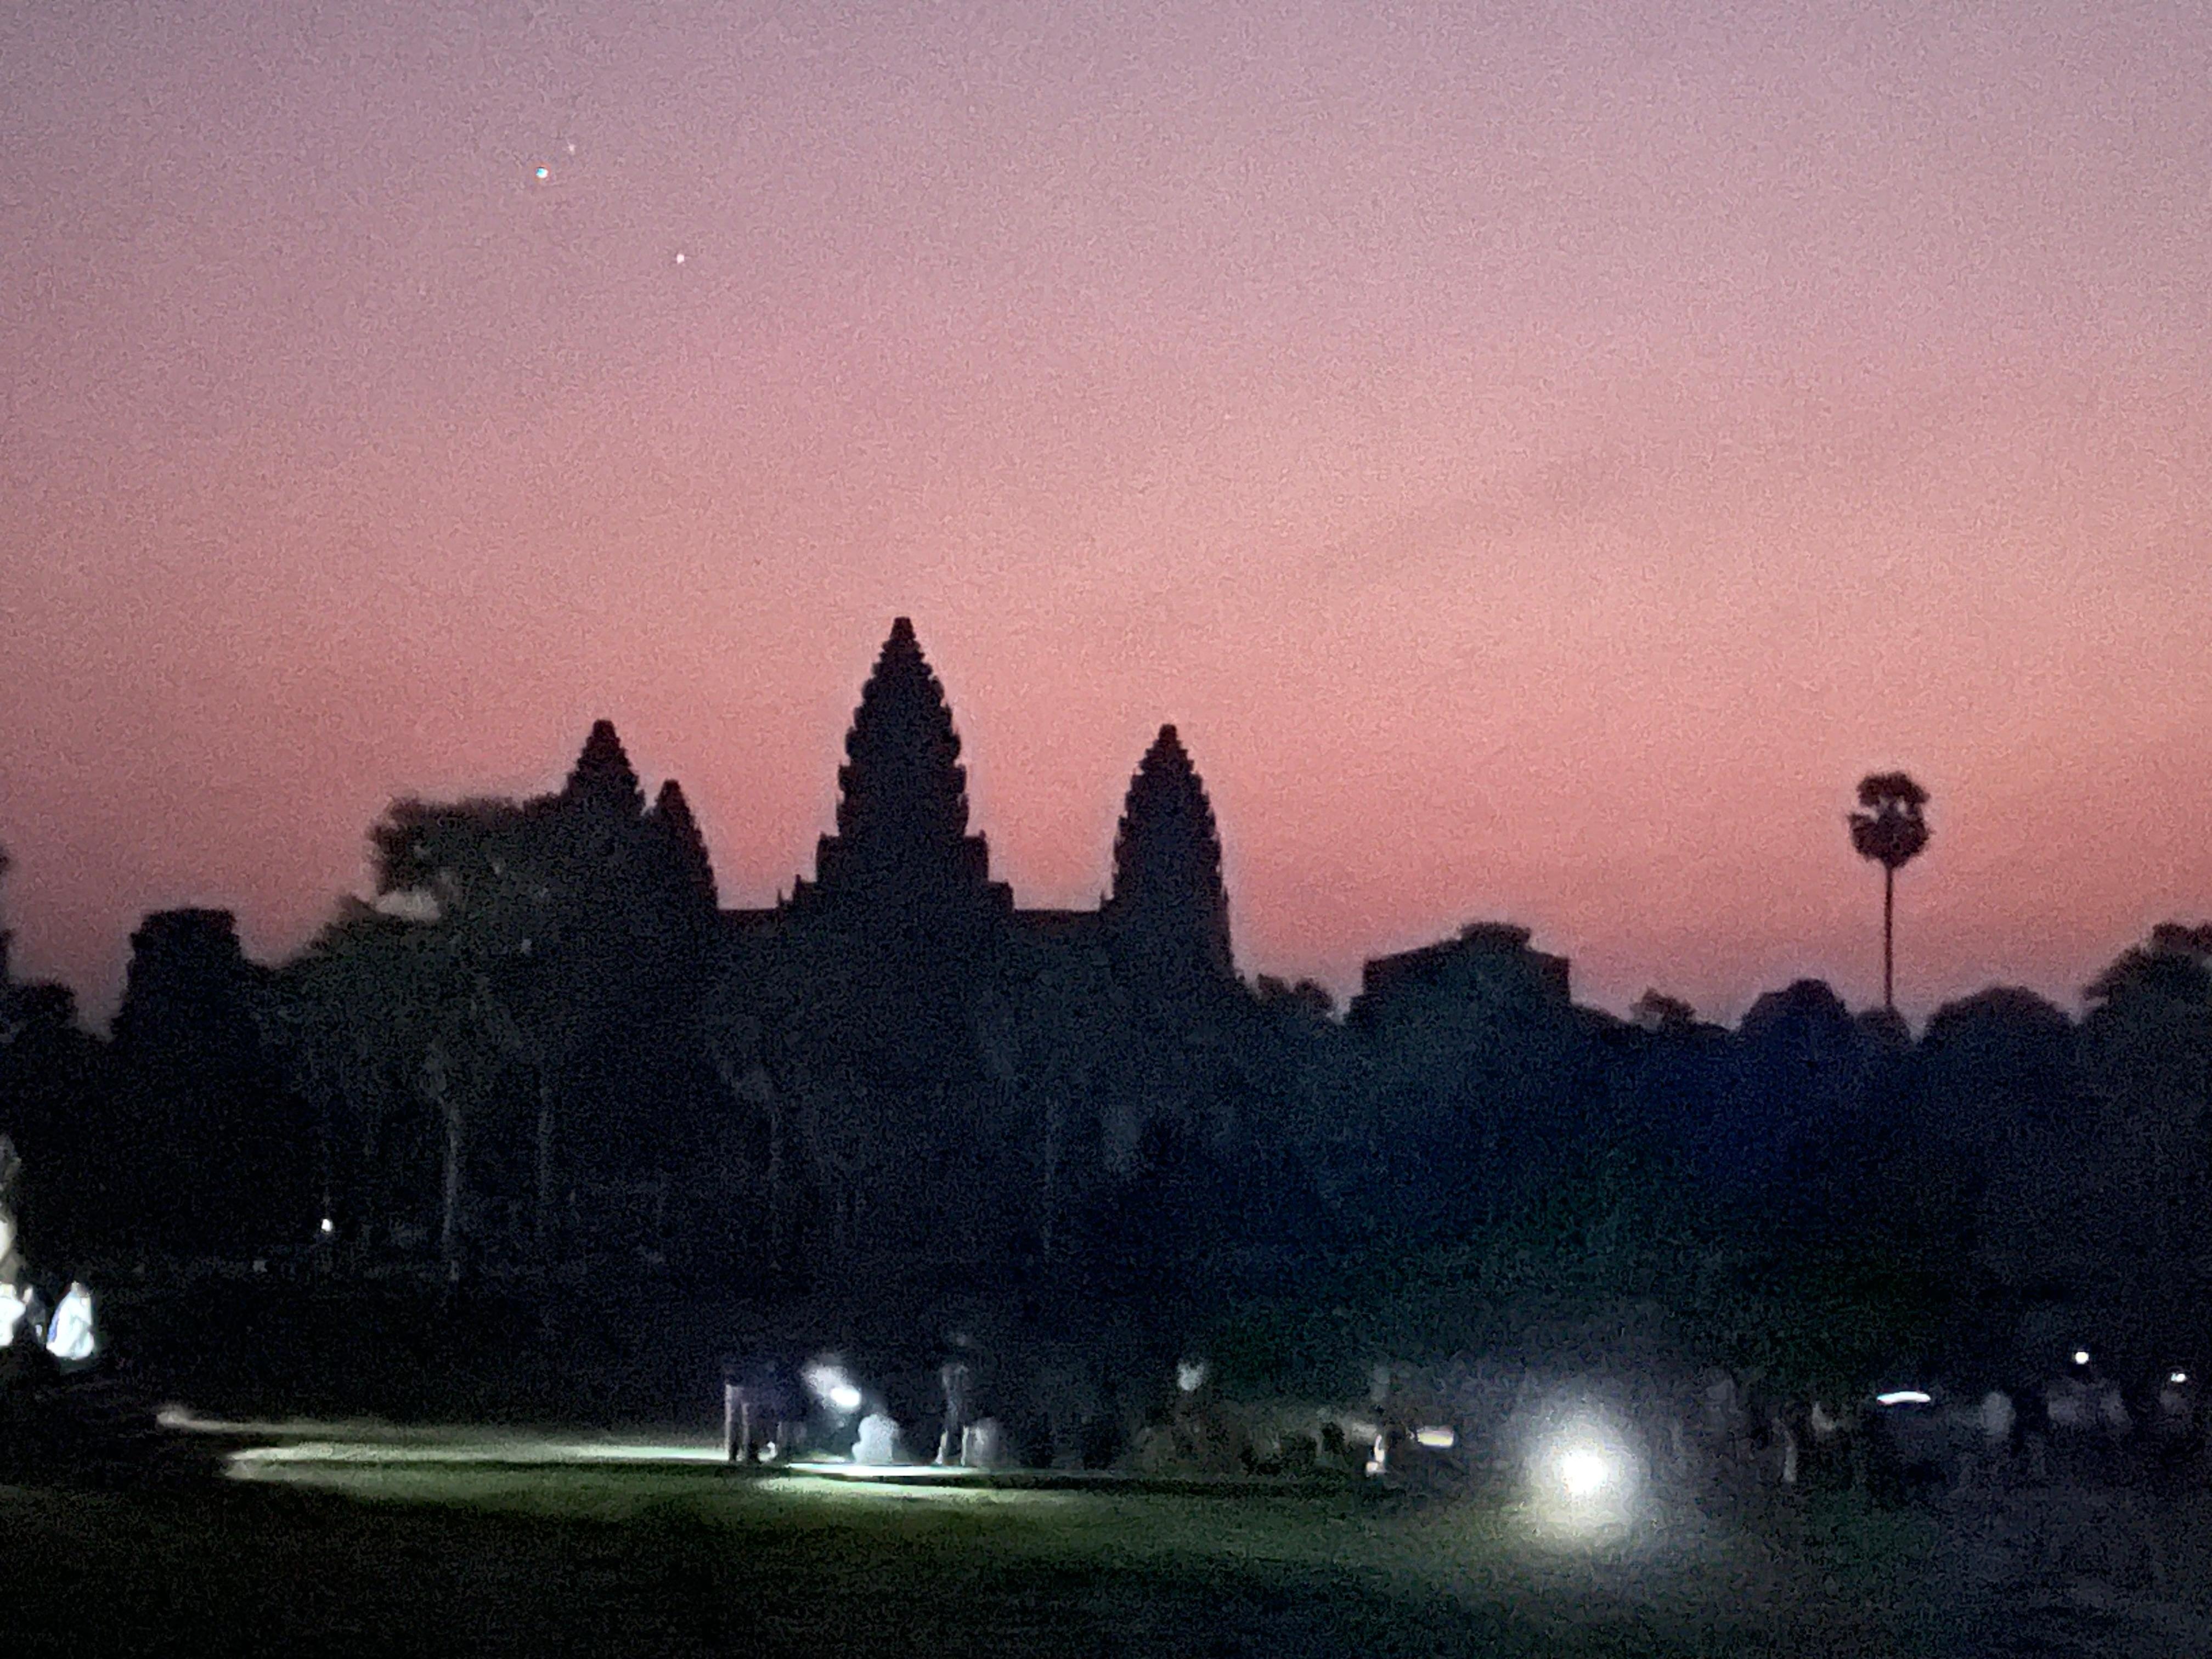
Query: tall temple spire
[(681, 844), (1168, 907), (603, 774), (903, 793)]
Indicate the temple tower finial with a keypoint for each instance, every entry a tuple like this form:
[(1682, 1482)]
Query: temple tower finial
[(1169, 908), (903, 793), (603, 774)]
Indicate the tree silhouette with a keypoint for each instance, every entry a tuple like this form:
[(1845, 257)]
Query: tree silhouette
[(2147, 1053), (1892, 832), (576, 917)]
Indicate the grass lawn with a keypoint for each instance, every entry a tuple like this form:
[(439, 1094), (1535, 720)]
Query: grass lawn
[(431, 1559)]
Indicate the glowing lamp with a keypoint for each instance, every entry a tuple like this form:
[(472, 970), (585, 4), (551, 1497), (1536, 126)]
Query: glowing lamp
[(828, 1382), (1584, 1471), (2080, 1356), (2179, 1378), (1586, 1477), (1902, 1397), (1437, 1437), (328, 1227)]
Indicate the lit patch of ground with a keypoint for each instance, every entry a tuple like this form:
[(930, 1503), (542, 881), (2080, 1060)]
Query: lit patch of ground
[(449, 1542)]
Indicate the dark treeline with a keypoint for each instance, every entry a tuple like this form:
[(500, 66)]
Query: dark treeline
[(544, 1053)]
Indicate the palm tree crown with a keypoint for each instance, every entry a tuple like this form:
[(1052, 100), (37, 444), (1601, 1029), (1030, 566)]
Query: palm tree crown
[(1891, 831)]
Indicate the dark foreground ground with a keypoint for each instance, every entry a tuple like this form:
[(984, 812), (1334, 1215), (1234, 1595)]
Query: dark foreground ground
[(365, 1557), (590, 1561), (354, 1552)]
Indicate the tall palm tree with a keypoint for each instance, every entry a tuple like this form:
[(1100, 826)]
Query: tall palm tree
[(1891, 831)]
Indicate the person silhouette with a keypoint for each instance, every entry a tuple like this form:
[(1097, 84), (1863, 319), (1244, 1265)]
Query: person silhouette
[(70, 1336), (958, 1380)]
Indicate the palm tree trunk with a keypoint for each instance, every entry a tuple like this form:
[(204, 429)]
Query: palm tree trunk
[(1888, 924)]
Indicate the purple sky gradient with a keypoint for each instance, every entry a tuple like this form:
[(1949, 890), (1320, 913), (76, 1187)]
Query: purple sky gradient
[(1539, 458)]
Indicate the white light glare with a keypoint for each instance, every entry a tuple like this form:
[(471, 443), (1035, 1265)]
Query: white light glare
[(2179, 1378), (328, 1227), (828, 1383), (1585, 1472), (2080, 1356), (1586, 1476), (1437, 1437), (1902, 1397), (1190, 1375)]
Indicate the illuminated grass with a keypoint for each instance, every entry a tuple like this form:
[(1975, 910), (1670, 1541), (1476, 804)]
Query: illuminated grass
[(444, 1541)]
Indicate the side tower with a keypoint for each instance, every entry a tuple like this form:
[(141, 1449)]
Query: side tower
[(602, 777), (903, 843), (1168, 918)]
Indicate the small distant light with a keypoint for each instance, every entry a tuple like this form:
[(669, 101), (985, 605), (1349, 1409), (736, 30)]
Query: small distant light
[(328, 1227), (2177, 1378), (542, 174), (1437, 1437), (679, 258), (845, 1397), (2080, 1356), (1190, 1375), (1902, 1397)]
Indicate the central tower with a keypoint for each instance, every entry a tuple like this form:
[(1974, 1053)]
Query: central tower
[(903, 841)]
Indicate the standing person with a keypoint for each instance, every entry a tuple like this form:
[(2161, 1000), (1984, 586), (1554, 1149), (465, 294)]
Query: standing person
[(958, 1379), (762, 1416)]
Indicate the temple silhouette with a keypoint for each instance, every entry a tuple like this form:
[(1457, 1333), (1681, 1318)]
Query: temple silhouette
[(544, 1041), (965, 1074), (544, 1052)]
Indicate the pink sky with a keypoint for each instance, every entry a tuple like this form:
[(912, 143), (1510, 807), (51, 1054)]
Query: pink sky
[(1539, 465)]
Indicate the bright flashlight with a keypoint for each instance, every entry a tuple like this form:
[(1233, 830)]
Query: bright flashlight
[(829, 1383), (1585, 1476), (1584, 1471), (2080, 1356)]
